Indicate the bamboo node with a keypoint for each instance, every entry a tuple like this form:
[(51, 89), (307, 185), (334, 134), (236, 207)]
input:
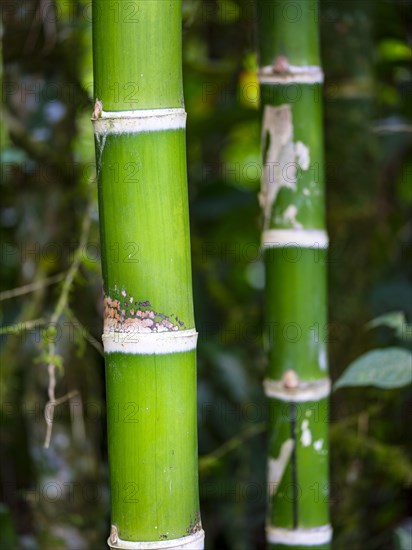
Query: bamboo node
[(140, 120), (194, 541), (281, 72), (304, 238), (302, 392), (315, 536), (157, 343)]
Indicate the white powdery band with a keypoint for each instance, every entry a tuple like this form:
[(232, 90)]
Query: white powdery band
[(134, 122), (191, 542), (310, 74), (299, 537), (143, 343), (305, 391), (307, 238)]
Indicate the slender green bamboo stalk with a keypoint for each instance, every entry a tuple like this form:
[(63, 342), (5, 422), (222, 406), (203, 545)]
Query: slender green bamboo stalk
[(149, 336), (295, 244)]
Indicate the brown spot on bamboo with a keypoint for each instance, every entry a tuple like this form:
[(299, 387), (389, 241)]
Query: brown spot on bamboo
[(290, 379), (97, 111), (280, 65)]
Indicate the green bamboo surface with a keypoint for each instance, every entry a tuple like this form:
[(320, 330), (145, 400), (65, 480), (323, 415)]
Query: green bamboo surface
[(152, 445), (137, 54), (296, 302), (144, 220), (144, 226), (290, 29), (295, 312)]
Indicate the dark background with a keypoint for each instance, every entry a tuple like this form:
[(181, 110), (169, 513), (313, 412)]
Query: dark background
[(58, 498)]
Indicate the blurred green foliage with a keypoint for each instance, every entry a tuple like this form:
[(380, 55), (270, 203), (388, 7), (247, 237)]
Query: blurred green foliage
[(58, 498)]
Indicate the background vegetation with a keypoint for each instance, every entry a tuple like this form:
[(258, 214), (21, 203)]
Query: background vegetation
[(57, 498)]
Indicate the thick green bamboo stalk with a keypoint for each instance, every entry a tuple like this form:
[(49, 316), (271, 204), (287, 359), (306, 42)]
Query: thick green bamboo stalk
[(149, 335), (295, 244)]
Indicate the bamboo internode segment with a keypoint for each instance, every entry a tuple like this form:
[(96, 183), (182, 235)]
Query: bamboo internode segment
[(307, 238), (135, 342), (304, 391), (191, 542), (299, 537), (133, 122)]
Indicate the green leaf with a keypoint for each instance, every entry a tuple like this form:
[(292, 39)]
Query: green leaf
[(403, 539), (395, 320), (383, 368), (394, 50)]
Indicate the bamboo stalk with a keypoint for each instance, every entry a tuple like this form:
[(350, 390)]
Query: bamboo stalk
[(295, 244), (149, 334)]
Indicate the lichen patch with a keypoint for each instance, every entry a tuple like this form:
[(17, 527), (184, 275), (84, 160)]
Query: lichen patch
[(306, 437), (277, 466), (317, 445), (302, 155), (323, 359), (283, 159), (129, 315), (289, 216), (277, 128)]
